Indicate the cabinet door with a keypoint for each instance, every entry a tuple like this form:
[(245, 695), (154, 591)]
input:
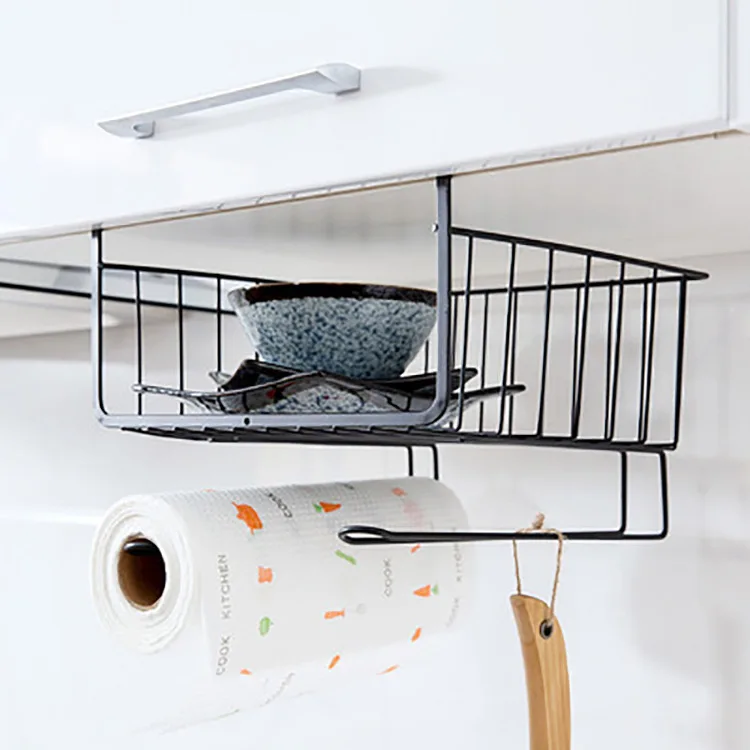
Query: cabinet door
[(444, 85)]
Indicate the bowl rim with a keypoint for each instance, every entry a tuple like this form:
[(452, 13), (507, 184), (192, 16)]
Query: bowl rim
[(275, 291)]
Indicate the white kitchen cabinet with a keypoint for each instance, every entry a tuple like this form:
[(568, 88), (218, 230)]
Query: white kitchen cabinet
[(646, 78), (444, 87)]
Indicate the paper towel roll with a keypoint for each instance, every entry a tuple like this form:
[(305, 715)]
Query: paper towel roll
[(278, 596)]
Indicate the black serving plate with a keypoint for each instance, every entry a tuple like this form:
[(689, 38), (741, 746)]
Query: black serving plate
[(252, 372)]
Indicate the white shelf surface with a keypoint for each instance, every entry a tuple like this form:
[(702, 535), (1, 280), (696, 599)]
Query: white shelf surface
[(669, 202)]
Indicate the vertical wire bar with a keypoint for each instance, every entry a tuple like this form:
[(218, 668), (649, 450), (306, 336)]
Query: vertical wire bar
[(483, 374), (138, 337), (454, 329), (545, 345), (664, 474), (608, 371), (465, 343), (508, 313), (181, 337), (219, 342), (97, 313), (512, 373), (681, 316), (646, 414), (576, 345), (427, 356), (644, 358), (618, 352), (582, 353), (435, 462)]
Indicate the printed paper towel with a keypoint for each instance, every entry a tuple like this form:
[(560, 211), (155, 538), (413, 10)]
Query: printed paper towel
[(283, 604)]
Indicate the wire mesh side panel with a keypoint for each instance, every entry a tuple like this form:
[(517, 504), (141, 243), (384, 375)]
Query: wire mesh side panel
[(170, 328), (569, 346)]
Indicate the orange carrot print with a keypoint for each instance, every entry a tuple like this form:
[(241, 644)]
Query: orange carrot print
[(417, 634), (333, 614), (416, 548), (326, 507), (249, 517), (398, 492), (426, 591), (246, 672), (265, 575), (336, 659), (389, 670)]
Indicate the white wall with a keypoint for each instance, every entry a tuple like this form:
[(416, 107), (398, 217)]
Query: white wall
[(655, 632)]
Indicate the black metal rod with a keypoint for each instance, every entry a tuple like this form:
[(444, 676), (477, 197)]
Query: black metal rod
[(645, 415), (98, 323), (138, 339), (582, 352), (588, 252), (576, 346), (512, 370), (483, 358), (608, 371), (664, 474), (680, 360), (455, 293), (644, 347), (545, 344), (623, 492), (376, 536), (508, 324), (618, 352), (191, 273), (567, 285), (180, 338), (371, 436), (219, 341), (362, 535), (465, 342)]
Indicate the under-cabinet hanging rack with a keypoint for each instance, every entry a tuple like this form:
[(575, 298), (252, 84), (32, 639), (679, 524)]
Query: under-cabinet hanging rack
[(596, 339)]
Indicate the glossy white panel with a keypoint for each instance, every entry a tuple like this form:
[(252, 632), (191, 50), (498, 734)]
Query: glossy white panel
[(442, 86)]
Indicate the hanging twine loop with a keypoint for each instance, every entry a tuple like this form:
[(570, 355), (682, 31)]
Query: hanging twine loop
[(537, 527)]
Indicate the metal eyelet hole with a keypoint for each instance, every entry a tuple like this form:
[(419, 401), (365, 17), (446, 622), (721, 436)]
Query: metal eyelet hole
[(546, 629)]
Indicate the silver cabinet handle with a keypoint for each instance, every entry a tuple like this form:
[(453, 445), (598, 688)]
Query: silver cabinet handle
[(335, 78)]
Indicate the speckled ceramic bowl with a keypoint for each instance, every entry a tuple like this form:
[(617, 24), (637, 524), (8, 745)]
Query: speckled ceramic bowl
[(361, 331)]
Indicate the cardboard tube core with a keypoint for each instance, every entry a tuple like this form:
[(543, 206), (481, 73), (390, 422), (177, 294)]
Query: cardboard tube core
[(142, 576)]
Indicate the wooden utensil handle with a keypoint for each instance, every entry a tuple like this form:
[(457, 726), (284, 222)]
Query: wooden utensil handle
[(546, 665)]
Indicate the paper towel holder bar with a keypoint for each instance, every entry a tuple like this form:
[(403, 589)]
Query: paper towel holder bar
[(141, 547), (362, 535)]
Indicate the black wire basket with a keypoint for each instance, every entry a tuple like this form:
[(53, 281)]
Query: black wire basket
[(536, 343), (572, 347)]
